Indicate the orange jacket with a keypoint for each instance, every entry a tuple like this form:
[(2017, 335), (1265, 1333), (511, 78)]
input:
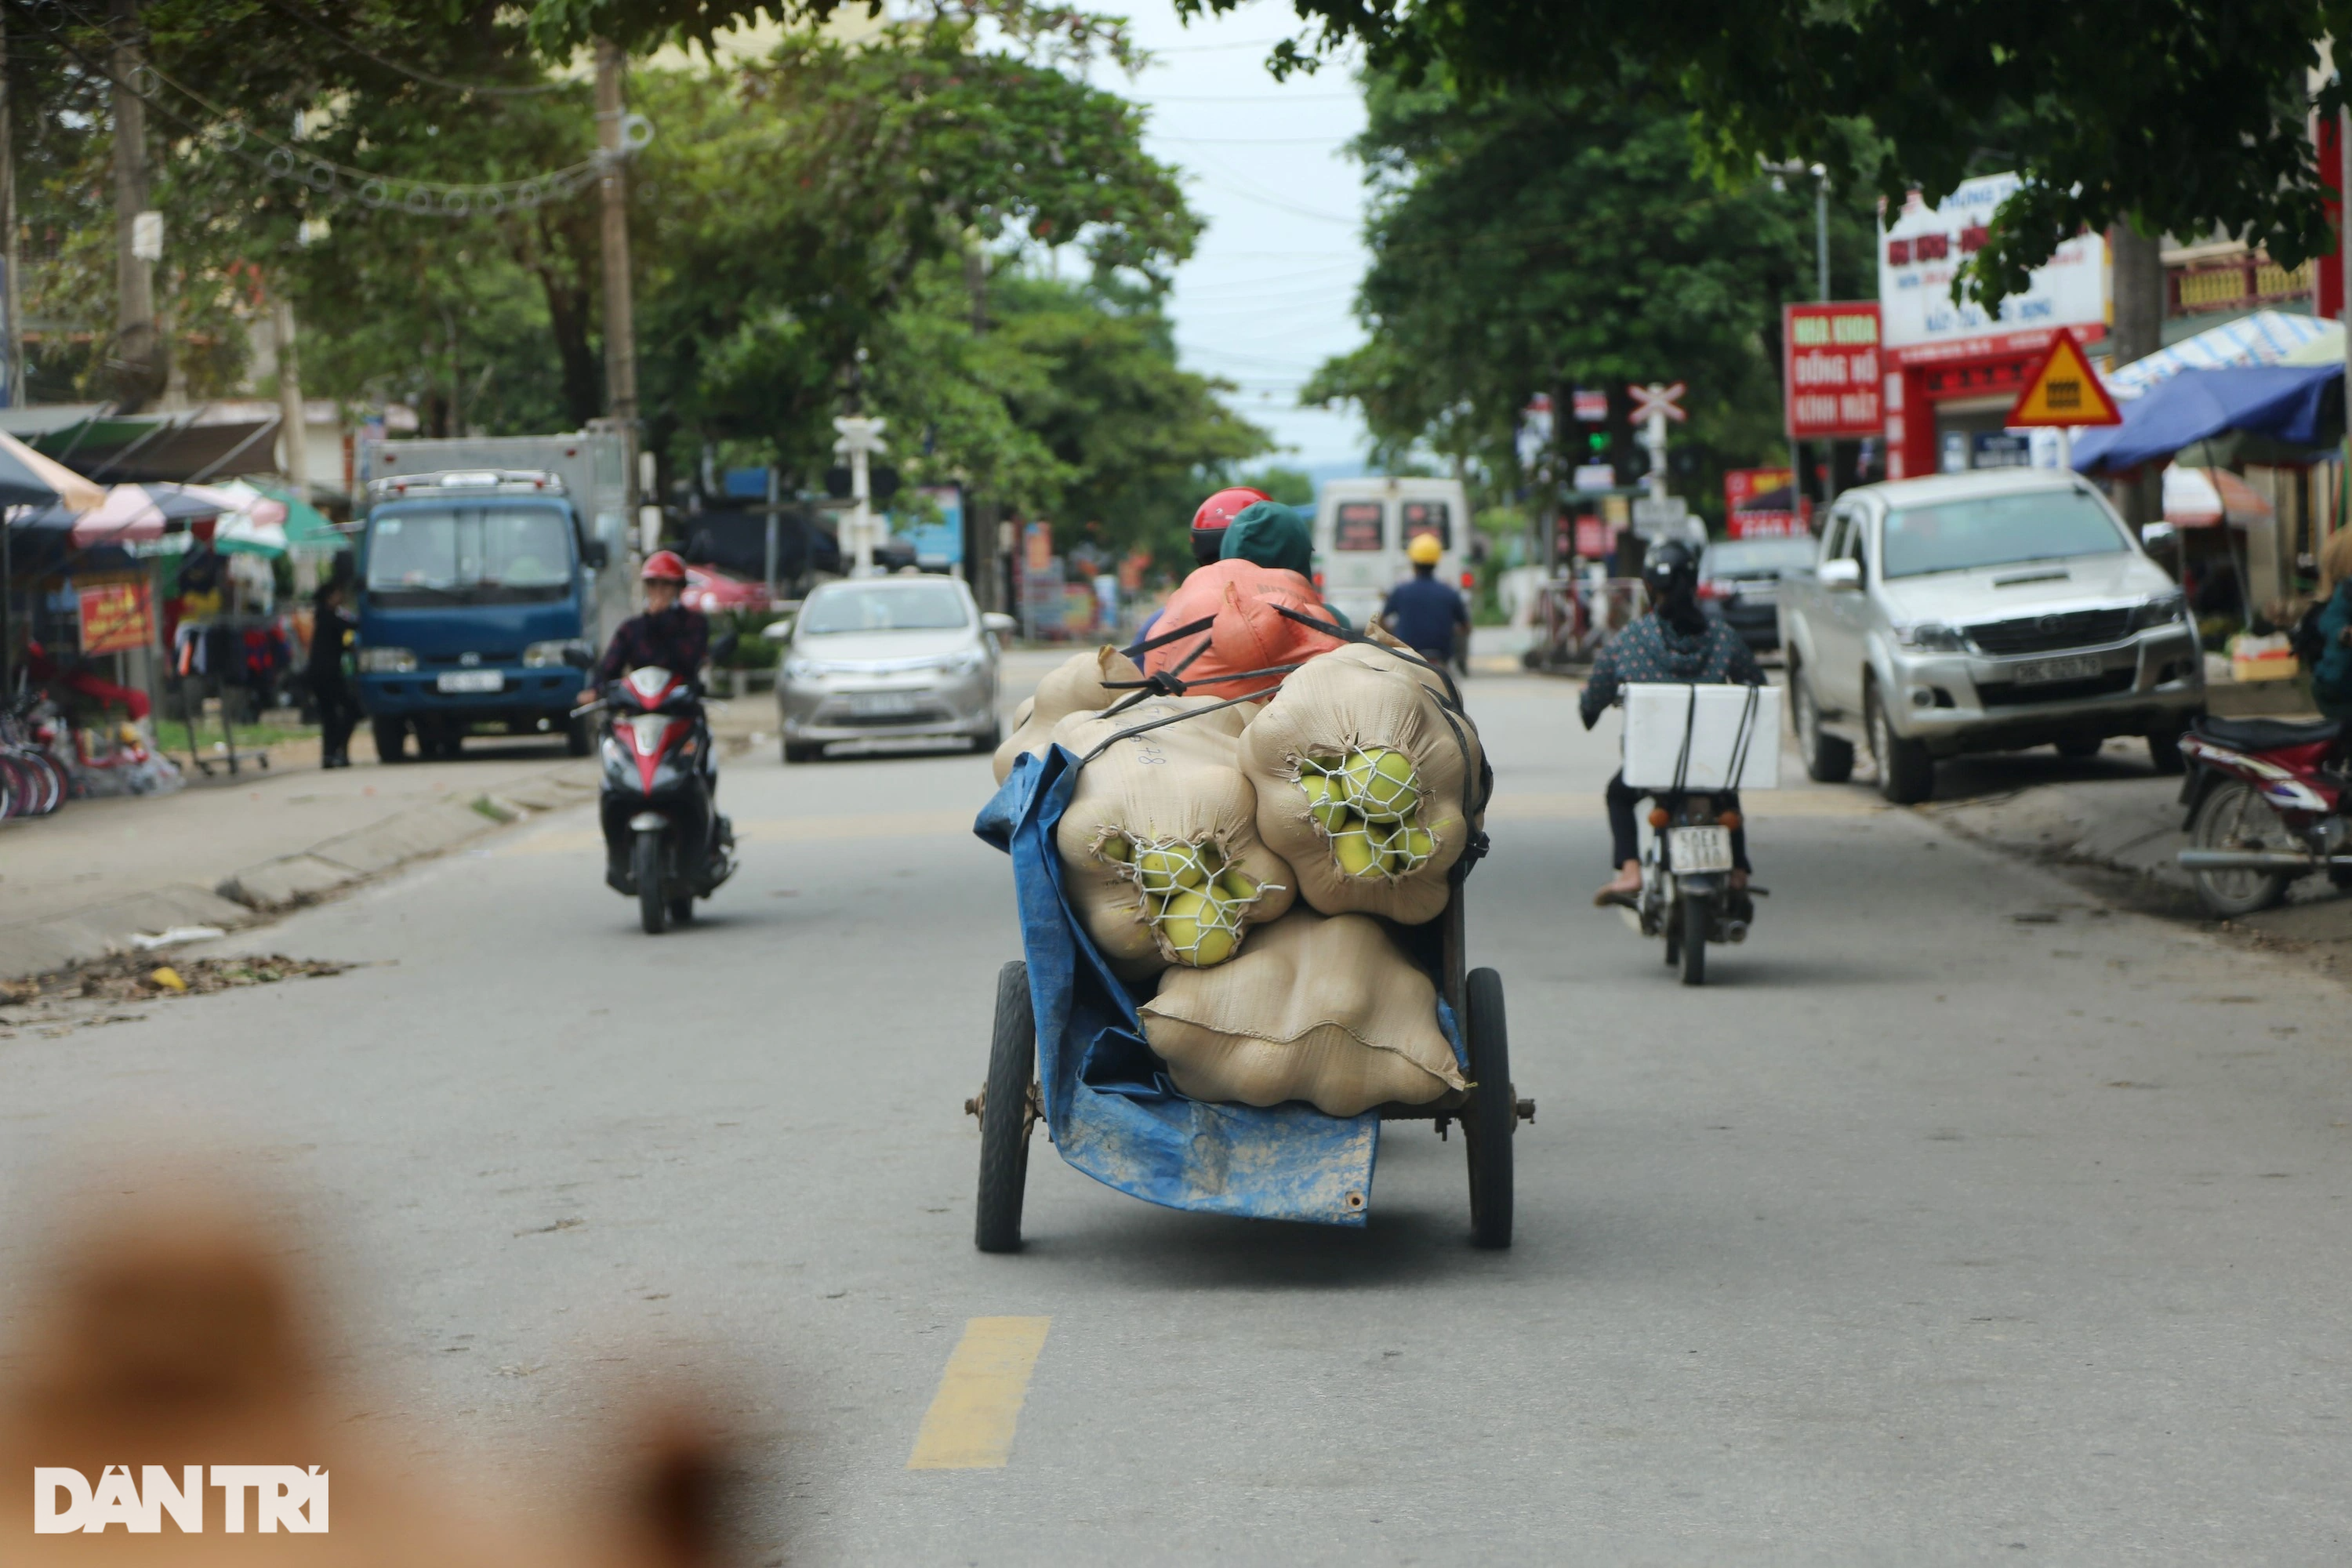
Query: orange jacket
[(1249, 630)]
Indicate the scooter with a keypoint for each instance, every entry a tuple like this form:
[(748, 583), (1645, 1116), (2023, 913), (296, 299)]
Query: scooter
[(1687, 895), (2268, 801), (665, 843)]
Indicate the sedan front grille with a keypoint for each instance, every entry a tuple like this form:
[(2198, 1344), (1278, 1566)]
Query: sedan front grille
[(2048, 634)]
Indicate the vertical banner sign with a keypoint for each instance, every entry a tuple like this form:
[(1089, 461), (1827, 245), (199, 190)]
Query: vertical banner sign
[(115, 618), (1831, 359)]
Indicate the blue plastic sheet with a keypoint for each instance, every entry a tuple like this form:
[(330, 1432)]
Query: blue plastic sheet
[(1109, 1107), (2300, 405)]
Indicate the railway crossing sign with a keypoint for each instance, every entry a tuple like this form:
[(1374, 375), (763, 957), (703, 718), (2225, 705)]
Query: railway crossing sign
[(1654, 400)]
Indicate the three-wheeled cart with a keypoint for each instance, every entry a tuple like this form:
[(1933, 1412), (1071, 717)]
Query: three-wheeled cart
[(1062, 1020)]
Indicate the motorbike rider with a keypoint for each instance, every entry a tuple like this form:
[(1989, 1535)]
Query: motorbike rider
[(1675, 641), (1210, 520), (670, 637)]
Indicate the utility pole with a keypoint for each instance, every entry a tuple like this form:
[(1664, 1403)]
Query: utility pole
[(136, 341), (11, 333), (2138, 264), (860, 439), (620, 326), (293, 433)]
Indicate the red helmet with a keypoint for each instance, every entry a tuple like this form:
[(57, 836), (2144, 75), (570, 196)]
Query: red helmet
[(663, 566), (1219, 510)]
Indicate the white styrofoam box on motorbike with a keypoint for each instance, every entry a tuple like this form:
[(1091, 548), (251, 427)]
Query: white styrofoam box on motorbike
[(1728, 726)]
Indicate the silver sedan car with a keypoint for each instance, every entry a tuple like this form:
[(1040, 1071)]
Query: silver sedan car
[(887, 659)]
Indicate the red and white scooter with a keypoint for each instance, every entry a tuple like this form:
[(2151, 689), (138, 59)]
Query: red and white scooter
[(665, 843), (2268, 802)]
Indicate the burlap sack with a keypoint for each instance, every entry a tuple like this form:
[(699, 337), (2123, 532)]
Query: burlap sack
[(1075, 685), (1176, 786), (1323, 1009), (1341, 703)]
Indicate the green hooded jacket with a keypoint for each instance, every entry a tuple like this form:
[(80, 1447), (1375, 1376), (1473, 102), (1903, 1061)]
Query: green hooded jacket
[(1280, 536), (1273, 534)]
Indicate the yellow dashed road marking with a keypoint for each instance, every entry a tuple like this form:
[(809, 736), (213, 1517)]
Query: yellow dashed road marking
[(970, 1424)]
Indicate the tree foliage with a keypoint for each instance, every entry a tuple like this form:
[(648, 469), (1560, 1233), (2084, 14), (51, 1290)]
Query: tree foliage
[(2177, 116), (1528, 241)]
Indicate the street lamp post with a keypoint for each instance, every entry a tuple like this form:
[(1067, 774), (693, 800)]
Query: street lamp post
[(861, 437), (1819, 175)]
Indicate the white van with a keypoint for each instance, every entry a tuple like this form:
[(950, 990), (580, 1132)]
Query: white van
[(1361, 527)]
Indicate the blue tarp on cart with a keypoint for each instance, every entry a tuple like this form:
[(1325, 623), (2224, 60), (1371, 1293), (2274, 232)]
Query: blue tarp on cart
[(1109, 1107)]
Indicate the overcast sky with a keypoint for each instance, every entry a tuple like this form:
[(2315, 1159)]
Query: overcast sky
[(1265, 298)]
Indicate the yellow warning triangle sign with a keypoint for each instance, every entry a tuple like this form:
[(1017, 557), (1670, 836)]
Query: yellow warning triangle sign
[(2064, 390)]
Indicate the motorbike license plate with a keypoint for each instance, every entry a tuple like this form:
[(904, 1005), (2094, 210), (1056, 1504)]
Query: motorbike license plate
[(2040, 671), (1697, 850), (471, 681), (883, 704)]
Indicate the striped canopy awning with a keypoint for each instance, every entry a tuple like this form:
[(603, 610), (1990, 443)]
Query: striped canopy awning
[(2267, 337)]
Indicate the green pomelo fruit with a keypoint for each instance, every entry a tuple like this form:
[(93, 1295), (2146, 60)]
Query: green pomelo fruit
[(1354, 850), (1164, 871)]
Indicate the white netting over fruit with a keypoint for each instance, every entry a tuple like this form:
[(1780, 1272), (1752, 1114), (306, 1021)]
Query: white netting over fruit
[(1366, 800), (1194, 899)]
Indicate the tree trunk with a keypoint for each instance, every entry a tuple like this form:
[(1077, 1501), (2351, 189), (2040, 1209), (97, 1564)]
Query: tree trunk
[(2139, 331)]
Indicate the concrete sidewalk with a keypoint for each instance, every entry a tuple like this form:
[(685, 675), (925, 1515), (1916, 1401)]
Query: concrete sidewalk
[(2116, 834), (83, 883)]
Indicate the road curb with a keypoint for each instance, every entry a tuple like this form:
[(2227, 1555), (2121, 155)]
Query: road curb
[(271, 886)]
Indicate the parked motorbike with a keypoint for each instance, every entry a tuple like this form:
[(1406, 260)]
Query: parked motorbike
[(665, 841), (1687, 895), (2268, 801)]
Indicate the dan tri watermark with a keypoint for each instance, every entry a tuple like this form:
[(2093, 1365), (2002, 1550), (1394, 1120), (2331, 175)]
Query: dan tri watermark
[(284, 1497)]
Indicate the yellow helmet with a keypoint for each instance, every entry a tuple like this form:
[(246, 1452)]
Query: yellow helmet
[(1424, 550)]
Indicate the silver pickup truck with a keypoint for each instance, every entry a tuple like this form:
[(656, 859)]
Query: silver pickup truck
[(1982, 612)]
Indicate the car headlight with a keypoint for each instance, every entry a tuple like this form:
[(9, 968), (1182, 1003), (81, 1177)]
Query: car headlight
[(799, 669), (962, 663), (387, 660), (1932, 636), (539, 655), (2162, 610)]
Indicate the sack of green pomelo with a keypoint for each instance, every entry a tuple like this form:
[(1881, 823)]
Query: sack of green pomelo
[(1160, 849), (1368, 781), (1073, 685), (1323, 1009)]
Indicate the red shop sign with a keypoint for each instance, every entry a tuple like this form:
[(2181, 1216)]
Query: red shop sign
[(1829, 355)]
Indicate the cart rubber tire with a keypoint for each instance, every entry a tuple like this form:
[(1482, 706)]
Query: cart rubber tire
[(1694, 955), (1493, 1113), (390, 740), (646, 867), (1003, 1115)]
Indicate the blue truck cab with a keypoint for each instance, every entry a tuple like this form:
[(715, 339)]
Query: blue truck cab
[(476, 597)]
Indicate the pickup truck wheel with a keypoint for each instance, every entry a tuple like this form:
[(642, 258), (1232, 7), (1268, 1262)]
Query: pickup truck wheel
[(579, 737), (1828, 758), (390, 740), (2164, 752), (2078, 747), (1906, 774)]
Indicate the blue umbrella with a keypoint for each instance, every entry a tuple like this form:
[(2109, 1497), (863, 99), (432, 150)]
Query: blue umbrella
[(2302, 406)]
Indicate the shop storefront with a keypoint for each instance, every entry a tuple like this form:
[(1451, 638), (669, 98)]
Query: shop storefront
[(1952, 371)]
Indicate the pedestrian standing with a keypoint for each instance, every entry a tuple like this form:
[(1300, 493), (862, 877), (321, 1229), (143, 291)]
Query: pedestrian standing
[(1422, 612), (338, 710)]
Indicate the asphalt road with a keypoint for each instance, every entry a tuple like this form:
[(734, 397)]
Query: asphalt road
[(1954, 1220)]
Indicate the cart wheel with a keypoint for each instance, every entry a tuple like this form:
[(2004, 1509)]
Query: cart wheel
[(1493, 1112), (1005, 1114)]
